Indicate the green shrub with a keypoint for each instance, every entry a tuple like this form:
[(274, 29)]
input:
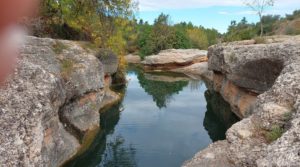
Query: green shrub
[(275, 133)]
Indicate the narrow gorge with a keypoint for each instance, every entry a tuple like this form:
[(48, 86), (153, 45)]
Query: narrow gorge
[(60, 109)]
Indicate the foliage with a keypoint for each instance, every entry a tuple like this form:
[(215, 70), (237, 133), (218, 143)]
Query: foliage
[(198, 38), (272, 25), (103, 22), (163, 35), (259, 6), (274, 133), (240, 31), (269, 24), (296, 14), (107, 24)]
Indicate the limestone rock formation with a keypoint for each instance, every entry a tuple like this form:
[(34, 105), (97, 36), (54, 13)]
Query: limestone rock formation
[(109, 61), (199, 69), (133, 59), (175, 57), (270, 135), (57, 86)]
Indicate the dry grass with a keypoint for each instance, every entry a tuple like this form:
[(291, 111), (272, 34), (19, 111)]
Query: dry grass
[(59, 47), (260, 40), (67, 66)]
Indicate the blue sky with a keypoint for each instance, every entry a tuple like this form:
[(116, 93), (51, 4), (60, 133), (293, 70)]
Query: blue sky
[(209, 13)]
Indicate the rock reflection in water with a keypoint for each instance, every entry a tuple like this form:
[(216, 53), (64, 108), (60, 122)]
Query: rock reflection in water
[(107, 153), (218, 117)]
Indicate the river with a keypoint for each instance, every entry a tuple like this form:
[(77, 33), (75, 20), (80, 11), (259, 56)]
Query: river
[(162, 121)]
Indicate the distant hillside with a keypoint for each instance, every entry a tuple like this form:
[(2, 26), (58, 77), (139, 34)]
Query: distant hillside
[(273, 25), (288, 27)]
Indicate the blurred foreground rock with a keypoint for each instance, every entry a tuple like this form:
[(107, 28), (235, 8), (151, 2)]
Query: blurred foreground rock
[(50, 103)]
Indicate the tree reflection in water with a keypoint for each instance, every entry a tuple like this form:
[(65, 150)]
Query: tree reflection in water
[(218, 117), (118, 154), (130, 144), (161, 91), (196, 84)]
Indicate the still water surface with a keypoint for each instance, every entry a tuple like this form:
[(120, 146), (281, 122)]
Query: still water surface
[(162, 121)]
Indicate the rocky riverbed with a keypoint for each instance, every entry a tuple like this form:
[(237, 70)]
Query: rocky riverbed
[(261, 82), (51, 103)]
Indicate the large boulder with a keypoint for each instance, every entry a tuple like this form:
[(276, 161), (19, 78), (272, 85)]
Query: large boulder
[(57, 84), (133, 59), (253, 67), (176, 57), (270, 136)]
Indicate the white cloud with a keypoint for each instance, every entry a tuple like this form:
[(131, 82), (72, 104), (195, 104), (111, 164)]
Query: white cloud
[(250, 12), (146, 5), (247, 12), (153, 5), (224, 13)]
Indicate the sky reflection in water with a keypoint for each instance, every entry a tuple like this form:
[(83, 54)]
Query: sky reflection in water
[(161, 128)]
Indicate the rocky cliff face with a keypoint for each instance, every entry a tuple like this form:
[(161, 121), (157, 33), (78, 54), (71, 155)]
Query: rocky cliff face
[(50, 103), (269, 133)]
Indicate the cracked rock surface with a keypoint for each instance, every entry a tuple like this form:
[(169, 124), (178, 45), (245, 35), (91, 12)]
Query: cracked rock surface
[(54, 78), (273, 71)]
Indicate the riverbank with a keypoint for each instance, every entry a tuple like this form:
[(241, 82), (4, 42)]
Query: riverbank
[(261, 82), (50, 106)]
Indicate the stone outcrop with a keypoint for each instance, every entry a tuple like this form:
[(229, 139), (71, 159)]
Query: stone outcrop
[(240, 100), (269, 135), (50, 103), (191, 62), (109, 61), (133, 59), (197, 69), (174, 58)]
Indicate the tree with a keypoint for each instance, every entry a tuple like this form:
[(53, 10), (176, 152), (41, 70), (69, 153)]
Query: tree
[(269, 24), (259, 6), (240, 31), (198, 38)]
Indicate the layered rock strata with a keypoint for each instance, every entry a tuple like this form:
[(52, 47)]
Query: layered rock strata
[(269, 133)]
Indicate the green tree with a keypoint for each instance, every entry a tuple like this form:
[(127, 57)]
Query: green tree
[(162, 34), (269, 24), (240, 31), (198, 38), (259, 6)]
